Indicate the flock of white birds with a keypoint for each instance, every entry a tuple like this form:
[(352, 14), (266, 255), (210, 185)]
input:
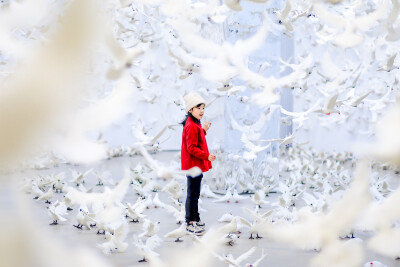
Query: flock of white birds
[(70, 69)]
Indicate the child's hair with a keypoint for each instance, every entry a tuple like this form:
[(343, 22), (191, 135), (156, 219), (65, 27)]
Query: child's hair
[(190, 115)]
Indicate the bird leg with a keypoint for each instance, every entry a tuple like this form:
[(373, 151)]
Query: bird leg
[(179, 222), (70, 208), (144, 260), (251, 236), (79, 226), (92, 225), (230, 243), (54, 222), (48, 202), (350, 236), (35, 197), (258, 237), (178, 240), (135, 221), (99, 233)]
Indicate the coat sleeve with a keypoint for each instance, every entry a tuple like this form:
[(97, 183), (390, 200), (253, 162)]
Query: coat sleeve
[(204, 131), (192, 136)]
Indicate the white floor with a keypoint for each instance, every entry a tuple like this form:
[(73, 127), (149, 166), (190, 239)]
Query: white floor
[(277, 254)]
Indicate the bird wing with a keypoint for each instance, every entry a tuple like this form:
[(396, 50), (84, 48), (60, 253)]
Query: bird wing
[(367, 21), (332, 101), (157, 201), (171, 209), (118, 193), (359, 99), (148, 158), (244, 221), (257, 262), (157, 136), (249, 145), (121, 231), (334, 20), (234, 123), (245, 255), (153, 242), (286, 11)]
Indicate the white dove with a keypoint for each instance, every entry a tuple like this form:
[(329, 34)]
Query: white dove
[(231, 227), (227, 197), (147, 250), (206, 192), (56, 210), (177, 233), (178, 213), (237, 197), (115, 241), (232, 262), (227, 217), (150, 228), (47, 196), (329, 105), (253, 149), (259, 198), (135, 211), (79, 177), (84, 219)]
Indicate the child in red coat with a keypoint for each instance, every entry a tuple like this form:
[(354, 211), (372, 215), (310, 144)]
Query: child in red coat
[(194, 152)]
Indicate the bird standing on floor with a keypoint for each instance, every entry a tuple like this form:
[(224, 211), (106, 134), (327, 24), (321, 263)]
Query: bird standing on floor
[(237, 197), (84, 219), (47, 196), (206, 192), (56, 210), (227, 197), (177, 233), (79, 177), (150, 228), (147, 250), (259, 198), (115, 240)]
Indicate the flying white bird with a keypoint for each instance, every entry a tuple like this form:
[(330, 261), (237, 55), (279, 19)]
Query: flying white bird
[(232, 262), (350, 25), (253, 149), (329, 105)]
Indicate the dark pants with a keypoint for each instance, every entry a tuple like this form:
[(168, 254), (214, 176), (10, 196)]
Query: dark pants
[(192, 198)]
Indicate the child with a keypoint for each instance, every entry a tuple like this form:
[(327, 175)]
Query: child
[(194, 152)]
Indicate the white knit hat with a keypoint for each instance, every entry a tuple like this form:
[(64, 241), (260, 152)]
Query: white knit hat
[(192, 100)]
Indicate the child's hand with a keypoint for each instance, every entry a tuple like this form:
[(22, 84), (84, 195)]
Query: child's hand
[(211, 157), (206, 125)]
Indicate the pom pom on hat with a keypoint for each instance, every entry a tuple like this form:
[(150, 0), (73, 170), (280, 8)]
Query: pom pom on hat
[(192, 100)]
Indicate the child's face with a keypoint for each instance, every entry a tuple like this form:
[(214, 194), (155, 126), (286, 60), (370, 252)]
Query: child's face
[(198, 112)]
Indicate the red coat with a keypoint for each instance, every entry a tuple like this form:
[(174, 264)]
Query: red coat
[(194, 151)]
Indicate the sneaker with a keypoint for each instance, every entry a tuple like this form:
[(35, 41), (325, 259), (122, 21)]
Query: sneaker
[(195, 229), (200, 223)]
